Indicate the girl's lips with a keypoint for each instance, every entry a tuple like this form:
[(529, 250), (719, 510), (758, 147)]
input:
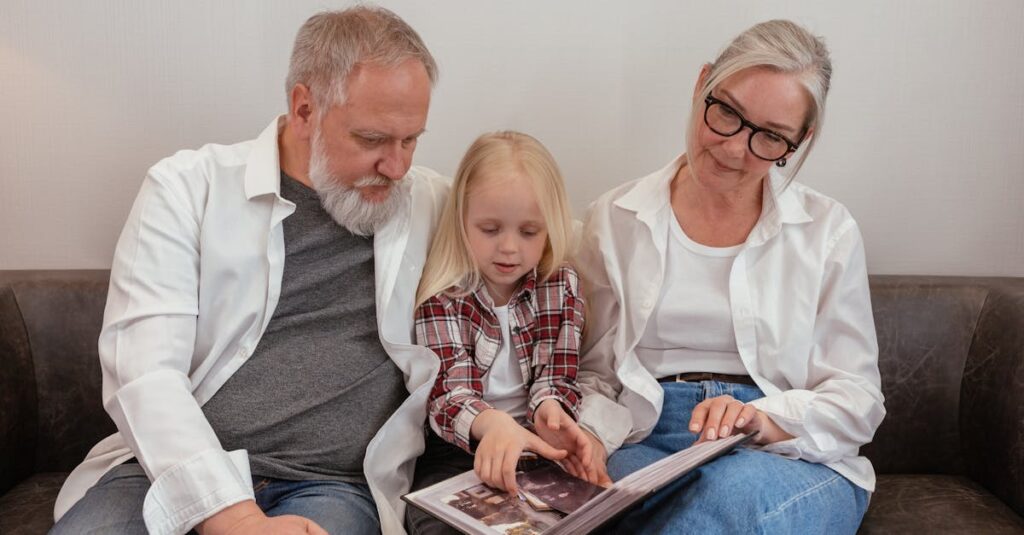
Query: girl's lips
[(505, 268)]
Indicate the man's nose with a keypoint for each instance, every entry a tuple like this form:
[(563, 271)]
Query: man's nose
[(395, 161)]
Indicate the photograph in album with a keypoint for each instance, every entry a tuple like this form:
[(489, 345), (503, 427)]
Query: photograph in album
[(549, 501)]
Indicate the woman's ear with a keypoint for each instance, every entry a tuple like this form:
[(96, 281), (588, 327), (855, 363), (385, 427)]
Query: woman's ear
[(702, 79)]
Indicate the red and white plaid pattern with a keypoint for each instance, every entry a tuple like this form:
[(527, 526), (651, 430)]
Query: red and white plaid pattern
[(546, 319)]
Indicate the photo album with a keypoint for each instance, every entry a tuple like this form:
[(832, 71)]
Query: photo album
[(552, 502)]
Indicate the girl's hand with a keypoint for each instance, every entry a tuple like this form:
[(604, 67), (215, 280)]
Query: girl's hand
[(559, 430), (502, 440), (717, 418)]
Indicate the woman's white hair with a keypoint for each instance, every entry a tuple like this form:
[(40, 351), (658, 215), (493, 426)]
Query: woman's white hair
[(782, 46), (330, 44)]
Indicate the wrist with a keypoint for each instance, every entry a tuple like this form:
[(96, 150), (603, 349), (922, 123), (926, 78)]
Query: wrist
[(225, 519), (487, 420), (770, 431)]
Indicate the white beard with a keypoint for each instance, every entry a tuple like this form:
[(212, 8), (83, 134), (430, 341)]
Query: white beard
[(346, 203)]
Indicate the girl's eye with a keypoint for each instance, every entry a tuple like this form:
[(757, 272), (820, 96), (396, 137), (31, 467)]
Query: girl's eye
[(489, 230), (528, 233)]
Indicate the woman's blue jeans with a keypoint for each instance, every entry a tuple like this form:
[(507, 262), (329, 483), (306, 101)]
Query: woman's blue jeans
[(745, 491)]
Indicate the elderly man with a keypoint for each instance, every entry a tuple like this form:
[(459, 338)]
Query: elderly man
[(256, 347)]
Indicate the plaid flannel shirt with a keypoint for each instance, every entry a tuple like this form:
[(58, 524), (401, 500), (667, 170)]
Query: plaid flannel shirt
[(546, 321)]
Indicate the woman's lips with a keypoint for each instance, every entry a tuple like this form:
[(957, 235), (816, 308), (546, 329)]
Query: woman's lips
[(721, 167)]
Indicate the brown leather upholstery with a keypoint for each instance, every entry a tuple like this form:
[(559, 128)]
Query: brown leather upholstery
[(950, 453), (936, 504)]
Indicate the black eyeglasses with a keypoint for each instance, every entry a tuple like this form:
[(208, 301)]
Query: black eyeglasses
[(723, 120)]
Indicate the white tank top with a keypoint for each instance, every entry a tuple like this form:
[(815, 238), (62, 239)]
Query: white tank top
[(690, 329)]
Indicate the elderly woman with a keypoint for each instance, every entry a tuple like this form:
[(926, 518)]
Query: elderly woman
[(726, 298)]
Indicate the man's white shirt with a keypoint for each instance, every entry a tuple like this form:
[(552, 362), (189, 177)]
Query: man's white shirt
[(195, 279)]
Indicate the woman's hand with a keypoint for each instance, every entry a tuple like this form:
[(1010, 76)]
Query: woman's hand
[(502, 440), (717, 418), (597, 473), (560, 431)]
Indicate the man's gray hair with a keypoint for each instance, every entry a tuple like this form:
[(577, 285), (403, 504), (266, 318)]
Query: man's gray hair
[(331, 43)]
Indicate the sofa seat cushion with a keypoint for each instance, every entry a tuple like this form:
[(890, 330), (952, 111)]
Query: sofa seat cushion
[(915, 503), (27, 509)]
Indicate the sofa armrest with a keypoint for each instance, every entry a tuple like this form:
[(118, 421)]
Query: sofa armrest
[(52, 320), (18, 413), (992, 395)]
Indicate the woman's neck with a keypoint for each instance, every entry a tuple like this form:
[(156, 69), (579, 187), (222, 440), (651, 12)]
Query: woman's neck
[(715, 218)]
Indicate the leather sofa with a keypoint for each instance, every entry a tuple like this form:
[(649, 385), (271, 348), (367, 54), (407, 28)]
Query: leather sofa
[(950, 453)]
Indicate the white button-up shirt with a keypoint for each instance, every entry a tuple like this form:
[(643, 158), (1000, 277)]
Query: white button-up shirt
[(195, 279), (801, 311)]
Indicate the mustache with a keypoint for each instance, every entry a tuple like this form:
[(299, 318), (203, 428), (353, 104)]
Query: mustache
[(371, 181)]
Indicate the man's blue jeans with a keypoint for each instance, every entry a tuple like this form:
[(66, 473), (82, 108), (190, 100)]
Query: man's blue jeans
[(745, 491), (114, 504)]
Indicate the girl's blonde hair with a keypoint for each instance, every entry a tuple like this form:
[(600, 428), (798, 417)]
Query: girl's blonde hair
[(450, 266)]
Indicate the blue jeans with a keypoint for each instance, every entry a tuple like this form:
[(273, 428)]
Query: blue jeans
[(114, 504), (745, 491)]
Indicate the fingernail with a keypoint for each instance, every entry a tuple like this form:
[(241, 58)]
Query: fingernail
[(740, 422), (695, 427), (711, 434), (725, 431)]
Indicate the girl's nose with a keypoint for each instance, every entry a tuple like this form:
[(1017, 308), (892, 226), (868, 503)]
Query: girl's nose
[(507, 243)]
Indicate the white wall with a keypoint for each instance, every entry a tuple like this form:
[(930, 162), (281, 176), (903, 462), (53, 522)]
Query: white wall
[(924, 139)]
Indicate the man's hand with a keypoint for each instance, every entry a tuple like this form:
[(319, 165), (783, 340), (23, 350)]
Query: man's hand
[(717, 418), (247, 518), (502, 440), (559, 430)]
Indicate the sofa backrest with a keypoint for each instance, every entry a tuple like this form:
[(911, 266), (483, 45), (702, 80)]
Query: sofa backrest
[(951, 359), (50, 377)]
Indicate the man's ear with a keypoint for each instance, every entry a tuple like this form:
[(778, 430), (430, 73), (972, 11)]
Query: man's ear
[(300, 110)]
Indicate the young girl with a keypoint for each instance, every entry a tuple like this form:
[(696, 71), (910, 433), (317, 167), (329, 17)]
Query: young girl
[(501, 308)]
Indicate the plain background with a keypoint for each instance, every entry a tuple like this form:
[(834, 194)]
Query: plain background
[(923, 140)]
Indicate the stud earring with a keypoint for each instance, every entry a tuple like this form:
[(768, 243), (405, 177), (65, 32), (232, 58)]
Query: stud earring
[(781, 162)]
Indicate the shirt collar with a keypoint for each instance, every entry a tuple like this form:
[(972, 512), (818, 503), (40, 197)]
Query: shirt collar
[(263, 167), (780, 204), (524, 293)]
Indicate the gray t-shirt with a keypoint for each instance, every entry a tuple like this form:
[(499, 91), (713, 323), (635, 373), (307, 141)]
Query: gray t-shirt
[(319, 384)]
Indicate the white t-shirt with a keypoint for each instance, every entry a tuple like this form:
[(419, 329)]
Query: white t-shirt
[(504, 387), (690, 329)]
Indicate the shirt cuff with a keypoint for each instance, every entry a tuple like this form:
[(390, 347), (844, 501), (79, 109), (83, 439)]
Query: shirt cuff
[(196, 489), (607, 420), (464, 423)]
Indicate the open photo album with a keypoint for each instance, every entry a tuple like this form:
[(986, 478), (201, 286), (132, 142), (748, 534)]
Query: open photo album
[(552, 502)]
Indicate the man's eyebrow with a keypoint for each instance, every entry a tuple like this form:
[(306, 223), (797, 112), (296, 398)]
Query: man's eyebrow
[(417, 134), (770, 124), (368, 133)]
